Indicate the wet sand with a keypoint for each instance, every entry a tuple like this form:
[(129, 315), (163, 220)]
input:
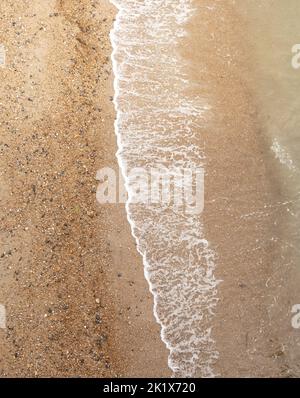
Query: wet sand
[(73, 286)]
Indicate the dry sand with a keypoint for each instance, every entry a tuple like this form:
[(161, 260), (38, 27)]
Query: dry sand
[(73, 286)]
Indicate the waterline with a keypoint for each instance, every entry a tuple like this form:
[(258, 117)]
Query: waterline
[(155, 125)]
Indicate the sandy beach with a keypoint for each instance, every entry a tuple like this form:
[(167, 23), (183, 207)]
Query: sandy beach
[(71, 279), (72, 284)]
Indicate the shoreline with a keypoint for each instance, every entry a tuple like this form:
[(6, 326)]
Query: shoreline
[(67, 309), (149, 354), (139, 356)]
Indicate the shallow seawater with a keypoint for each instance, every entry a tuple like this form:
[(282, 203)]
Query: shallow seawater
[(273, 32), (272, 79), (159, 124)]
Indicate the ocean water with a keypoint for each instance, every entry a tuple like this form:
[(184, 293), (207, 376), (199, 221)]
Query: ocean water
[(158, 124), (156, 127), (273, 35), (272, 30)]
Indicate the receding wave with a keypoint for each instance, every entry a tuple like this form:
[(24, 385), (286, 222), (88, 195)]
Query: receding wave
[(155, 126)]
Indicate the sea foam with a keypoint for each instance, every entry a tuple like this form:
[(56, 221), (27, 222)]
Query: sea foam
[(156, 124)]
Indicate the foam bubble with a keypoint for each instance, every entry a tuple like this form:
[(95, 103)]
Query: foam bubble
[(155, 125), (282, 155)]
